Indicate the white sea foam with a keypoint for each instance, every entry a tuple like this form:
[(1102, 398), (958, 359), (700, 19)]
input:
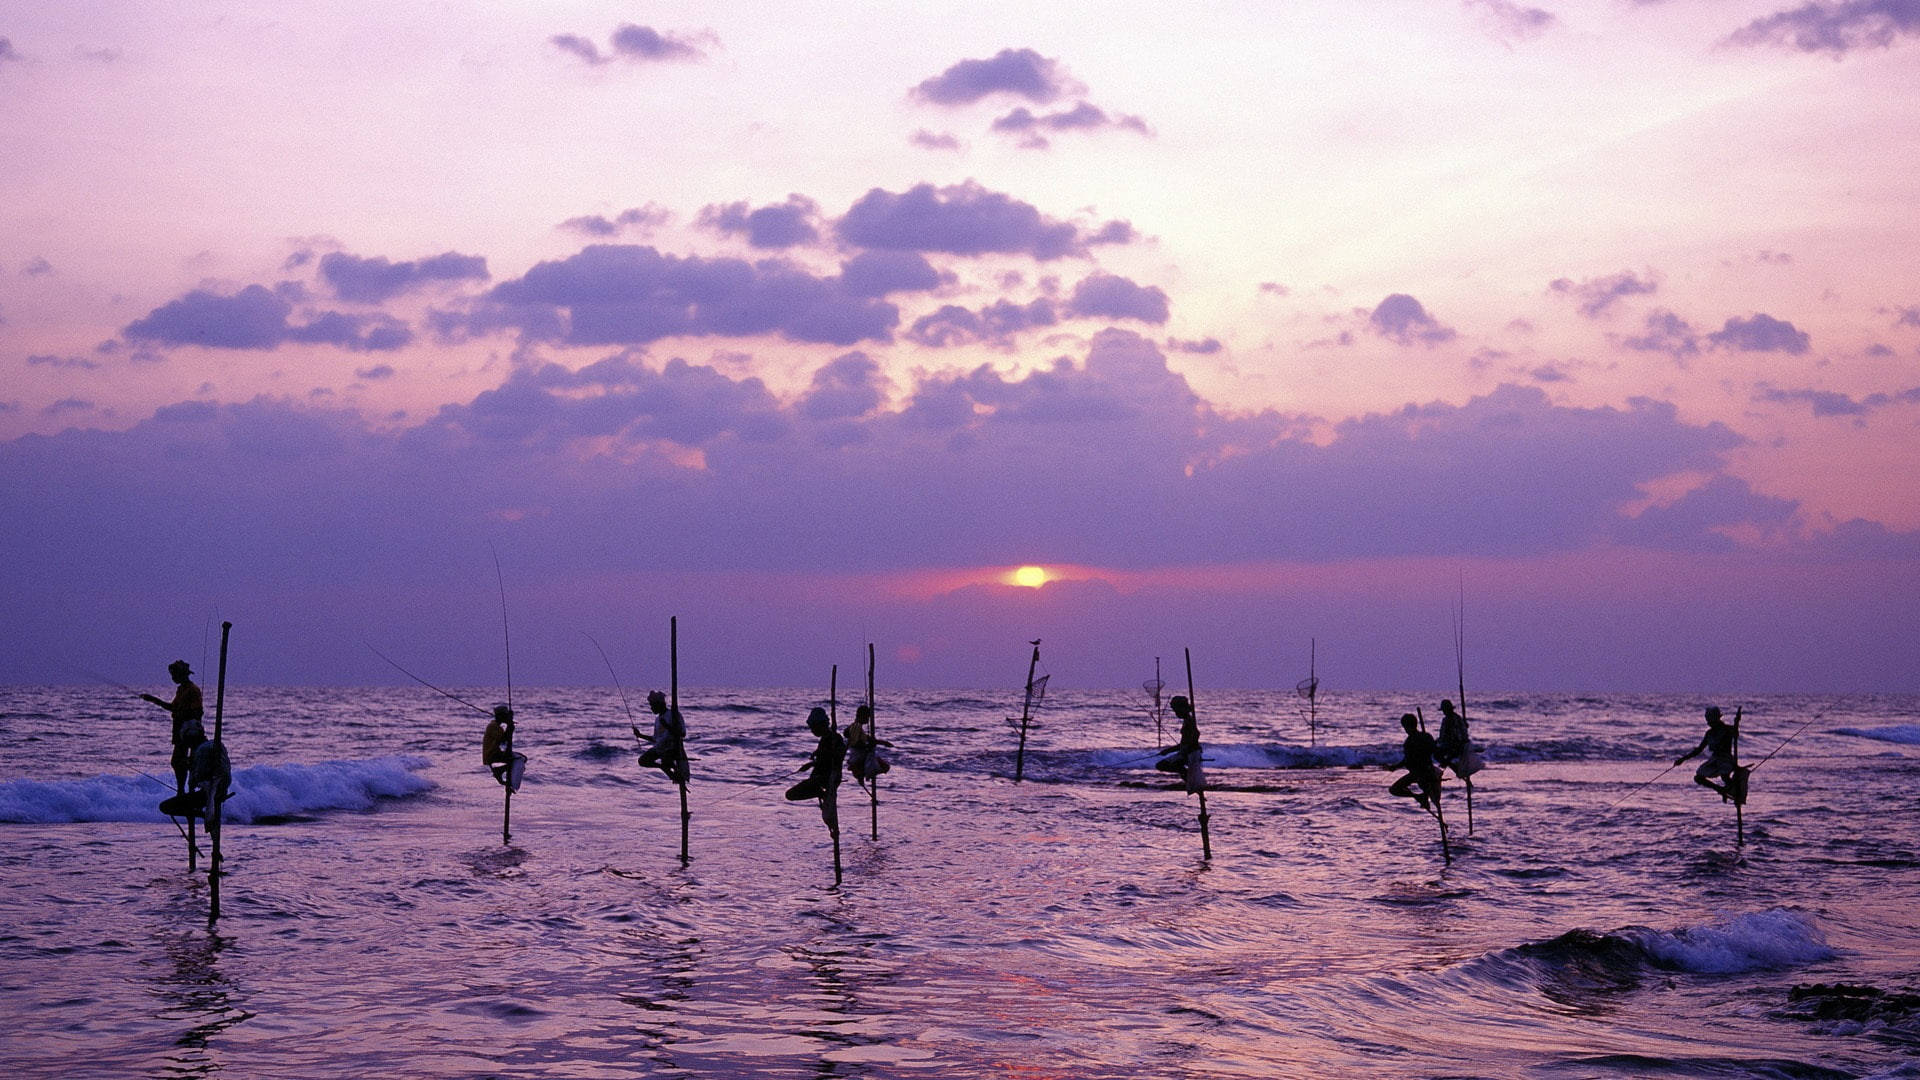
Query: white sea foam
[(1752, 941), (1895, 733), (259, 791)]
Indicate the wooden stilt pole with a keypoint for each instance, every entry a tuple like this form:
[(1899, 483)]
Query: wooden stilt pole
[(506, 639), (1206, 837), (1313, 692), (873, 780), (1460, 668), (1734, 779), (830, 798), (833, 826), (1026, 716), (673, 702), (215, 791)]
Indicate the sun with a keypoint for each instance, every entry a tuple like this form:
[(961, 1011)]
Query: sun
[(1031, 577)]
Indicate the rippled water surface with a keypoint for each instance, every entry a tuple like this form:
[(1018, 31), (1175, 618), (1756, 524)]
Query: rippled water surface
[(374, 924)]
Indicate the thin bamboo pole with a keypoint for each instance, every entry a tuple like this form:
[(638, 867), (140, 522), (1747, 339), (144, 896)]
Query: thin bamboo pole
[(673, 663), (217, 755), (1206, 837), (873, 779)]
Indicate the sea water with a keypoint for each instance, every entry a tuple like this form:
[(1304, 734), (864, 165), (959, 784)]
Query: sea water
[(374, 923)]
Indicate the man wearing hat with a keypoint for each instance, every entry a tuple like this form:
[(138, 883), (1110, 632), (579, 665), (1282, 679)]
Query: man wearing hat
[(187, 709)]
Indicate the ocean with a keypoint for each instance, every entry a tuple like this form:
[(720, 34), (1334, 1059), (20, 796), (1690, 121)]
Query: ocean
[(375, 924)]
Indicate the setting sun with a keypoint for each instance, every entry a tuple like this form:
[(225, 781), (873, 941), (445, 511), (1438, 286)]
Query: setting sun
[(1030, 576)]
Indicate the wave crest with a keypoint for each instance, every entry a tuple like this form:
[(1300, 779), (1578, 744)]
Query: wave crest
[(259, 792)]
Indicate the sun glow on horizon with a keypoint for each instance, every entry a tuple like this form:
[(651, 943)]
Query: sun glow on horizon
[(1031, 577)]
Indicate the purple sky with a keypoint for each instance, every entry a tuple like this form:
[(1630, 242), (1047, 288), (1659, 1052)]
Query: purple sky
[(1251, 327)]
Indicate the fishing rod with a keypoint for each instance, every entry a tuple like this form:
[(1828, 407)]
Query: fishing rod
[(757, 785), (99, 678), (616, 682), (508, 779), (505, 636), (1644, 786), (1460, 668), (425, 683), (1785, 741)]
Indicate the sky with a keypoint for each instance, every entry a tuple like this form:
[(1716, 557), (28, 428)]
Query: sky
[(1590, 330)]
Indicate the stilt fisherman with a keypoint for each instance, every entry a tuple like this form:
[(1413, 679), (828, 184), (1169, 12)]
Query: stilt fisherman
[(863, 750), (188, 709), (1184, 756), (1720, 743), (1416, 756), (823, 780), (496, 748), (669, 750)]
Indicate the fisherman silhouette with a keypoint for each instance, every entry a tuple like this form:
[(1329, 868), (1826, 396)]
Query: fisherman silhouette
[(863, 753), (1416, 756), (823, 781), (1184, 756), (188, 708), (496, 748), (669, 750), (1454, 748), (1721, 743)]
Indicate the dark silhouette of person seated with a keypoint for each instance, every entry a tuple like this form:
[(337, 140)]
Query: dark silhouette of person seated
[(1416, 756), (496, 747), (1184, 756), (669, 750), (863, 750), (1454, 748), (1721, 744), (823, 779), (209, 778)]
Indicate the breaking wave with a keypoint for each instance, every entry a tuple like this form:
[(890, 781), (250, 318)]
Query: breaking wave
[(1908, 734), (1751, 941), (260, 792)]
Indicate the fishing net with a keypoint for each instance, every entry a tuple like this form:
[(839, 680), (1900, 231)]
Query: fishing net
[(1307, 688)]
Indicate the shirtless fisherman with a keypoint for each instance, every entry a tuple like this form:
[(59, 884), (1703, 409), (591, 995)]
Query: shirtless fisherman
[(823, 781), (1416, 756), (1721, 744)]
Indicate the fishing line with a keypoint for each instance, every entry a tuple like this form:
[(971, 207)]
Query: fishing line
[(1785, 741), (1644, 786), (99, 678), (176, 821), (616, 679), (756, 786), (504, 635), (425, 683)]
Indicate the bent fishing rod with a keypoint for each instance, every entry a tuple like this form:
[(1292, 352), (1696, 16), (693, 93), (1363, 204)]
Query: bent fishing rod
[(1788, 739), (1644, 786), (425, 683), (616, 682)]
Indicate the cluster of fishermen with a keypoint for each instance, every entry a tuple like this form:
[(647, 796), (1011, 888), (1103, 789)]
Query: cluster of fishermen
[(200, 765), (666, 749), (1424, 758), (857, 751)]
